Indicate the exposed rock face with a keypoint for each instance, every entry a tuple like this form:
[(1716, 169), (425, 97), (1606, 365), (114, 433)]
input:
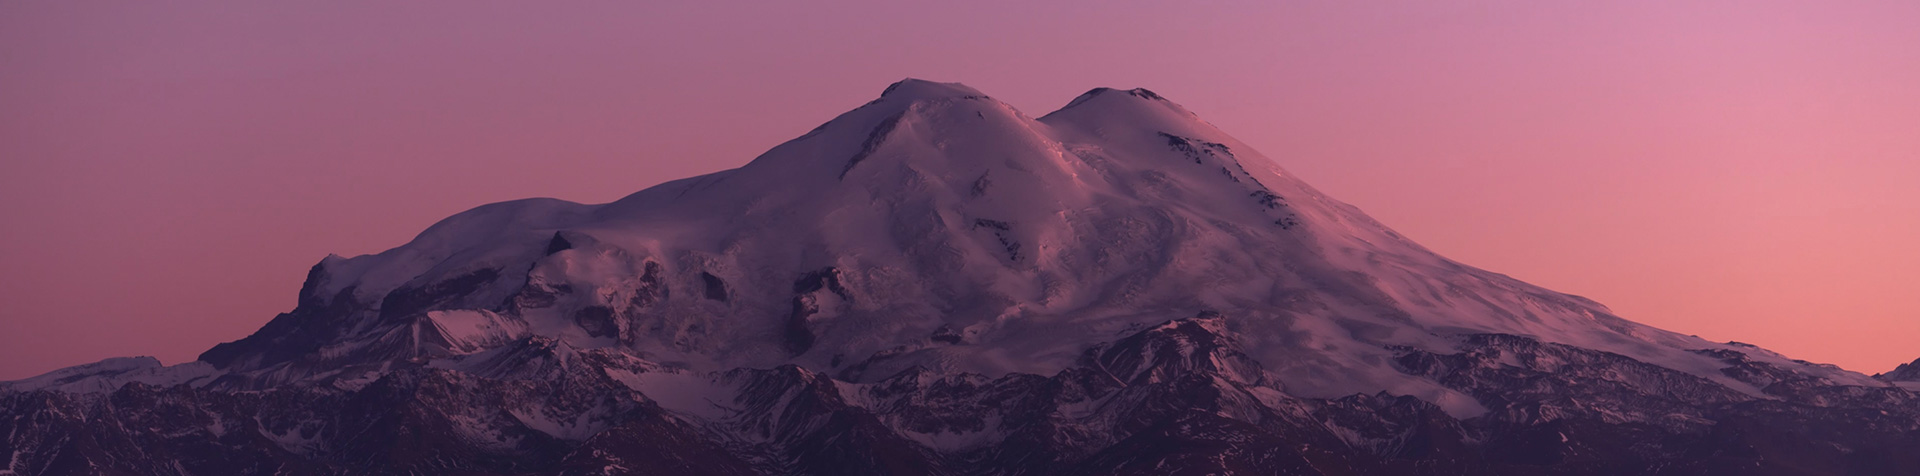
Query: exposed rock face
[(1907, 372), (1180, 398), (935, 283)]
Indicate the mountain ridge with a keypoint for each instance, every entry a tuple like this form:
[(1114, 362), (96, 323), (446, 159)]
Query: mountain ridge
[(434, 264)]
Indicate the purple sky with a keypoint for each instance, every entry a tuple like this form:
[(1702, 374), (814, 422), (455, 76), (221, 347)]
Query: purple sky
[(1741, 170)]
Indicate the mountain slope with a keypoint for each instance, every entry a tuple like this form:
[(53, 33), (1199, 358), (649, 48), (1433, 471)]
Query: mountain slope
[(933, 208), (937, 283)]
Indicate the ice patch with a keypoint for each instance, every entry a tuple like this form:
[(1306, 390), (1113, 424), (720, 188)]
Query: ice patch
[(578, 428), (688, 393), (951, 442)]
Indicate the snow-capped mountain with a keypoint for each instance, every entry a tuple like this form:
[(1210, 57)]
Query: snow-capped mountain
[(937, 283)]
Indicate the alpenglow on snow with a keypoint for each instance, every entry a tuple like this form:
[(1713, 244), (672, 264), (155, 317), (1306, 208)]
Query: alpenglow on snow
[(937, 283)]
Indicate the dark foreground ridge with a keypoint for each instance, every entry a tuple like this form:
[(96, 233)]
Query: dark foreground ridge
[(1180, 398)]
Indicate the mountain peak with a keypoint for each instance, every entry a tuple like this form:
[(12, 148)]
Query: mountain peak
[(1103, 94), (1908, 372), (1141, 93), (912, 89)]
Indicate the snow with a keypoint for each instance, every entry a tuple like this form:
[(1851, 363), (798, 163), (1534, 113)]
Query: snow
[(297, 440), (574, 428), (481, 431), (111, 374), (468, 330), (356, 380), (953, 442), (856, 394), (219, 425), (688, 393)]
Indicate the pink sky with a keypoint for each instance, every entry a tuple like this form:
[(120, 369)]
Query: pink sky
[(1740, 170)]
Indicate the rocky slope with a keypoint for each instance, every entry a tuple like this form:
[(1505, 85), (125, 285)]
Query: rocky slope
[(936, 283)]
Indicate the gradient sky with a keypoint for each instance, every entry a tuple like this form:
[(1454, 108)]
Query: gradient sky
[(1741, 170)]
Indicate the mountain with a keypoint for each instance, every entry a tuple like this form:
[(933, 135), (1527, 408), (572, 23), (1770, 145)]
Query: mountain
[(937, 283), (1906, 375)]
